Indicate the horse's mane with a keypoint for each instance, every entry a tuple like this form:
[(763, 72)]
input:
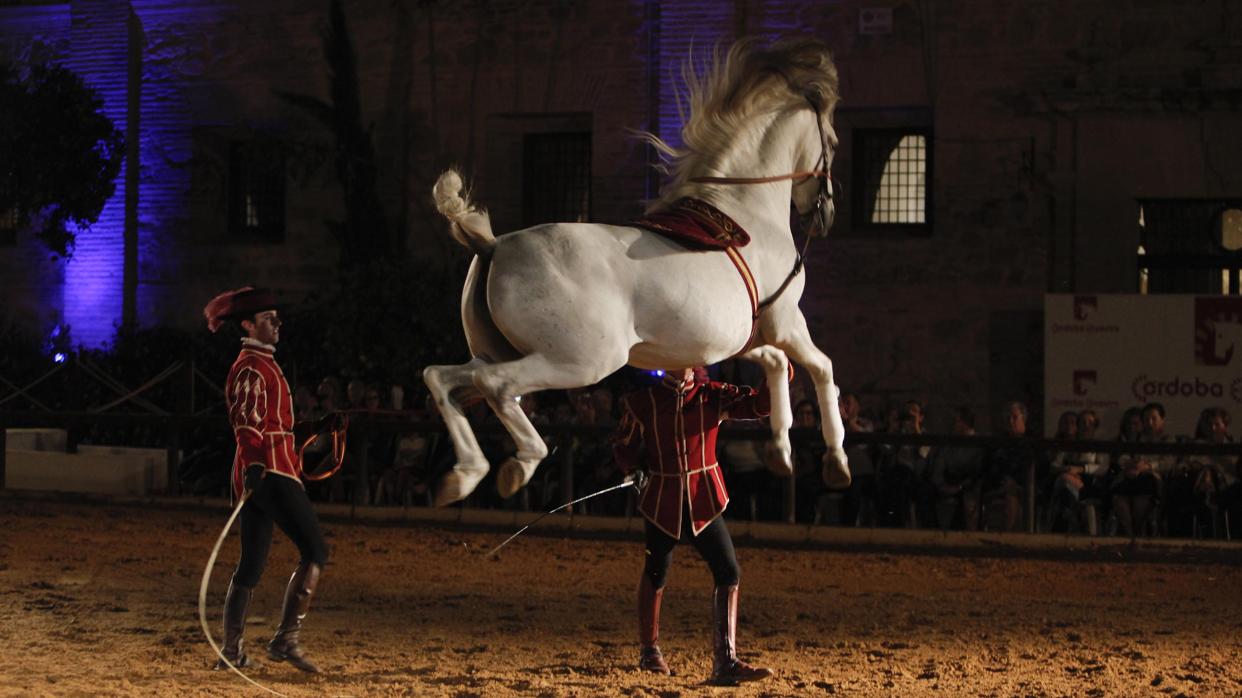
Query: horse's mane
[(750, 79)]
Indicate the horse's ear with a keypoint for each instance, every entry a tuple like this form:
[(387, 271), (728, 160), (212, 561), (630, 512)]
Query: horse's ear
[(816, 98)]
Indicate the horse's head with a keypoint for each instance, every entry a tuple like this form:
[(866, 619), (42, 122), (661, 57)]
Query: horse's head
[(758, 115), (813, 195)]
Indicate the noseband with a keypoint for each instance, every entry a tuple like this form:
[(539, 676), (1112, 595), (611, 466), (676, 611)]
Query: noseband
[(817, 217)]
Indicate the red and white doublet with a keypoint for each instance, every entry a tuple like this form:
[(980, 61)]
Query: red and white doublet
[(671, 433), (261, 412)]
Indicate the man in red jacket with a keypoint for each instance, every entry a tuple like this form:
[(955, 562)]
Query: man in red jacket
[(669, 431), (266, 468)]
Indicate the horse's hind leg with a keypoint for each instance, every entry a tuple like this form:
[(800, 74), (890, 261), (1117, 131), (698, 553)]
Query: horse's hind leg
[(446, 384), (501, 385), (777, 453), (792, 336)]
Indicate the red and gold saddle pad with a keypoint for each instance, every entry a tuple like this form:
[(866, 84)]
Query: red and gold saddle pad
[(697, 225)]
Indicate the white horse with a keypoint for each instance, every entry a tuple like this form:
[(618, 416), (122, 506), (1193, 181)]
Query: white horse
[(564, 305)]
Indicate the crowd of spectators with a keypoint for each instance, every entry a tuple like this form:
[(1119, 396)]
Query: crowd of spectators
[(1079, 489), (397, 451), (897, 484)]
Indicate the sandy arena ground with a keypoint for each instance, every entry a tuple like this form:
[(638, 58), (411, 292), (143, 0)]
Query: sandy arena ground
[(101, 600)]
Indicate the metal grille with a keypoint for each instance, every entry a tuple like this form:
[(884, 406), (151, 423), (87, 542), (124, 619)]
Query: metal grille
[(556, 178), (256, 191), (1189, 246), (892, 169)]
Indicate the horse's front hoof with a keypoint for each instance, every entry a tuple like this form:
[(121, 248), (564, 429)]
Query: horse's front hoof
[(778, 460), (836, 471), (456, 486), (513, 476)]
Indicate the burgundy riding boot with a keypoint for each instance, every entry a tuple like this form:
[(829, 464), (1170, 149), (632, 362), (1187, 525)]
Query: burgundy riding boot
[(236, 605), (284, 646), (727, 669), (649, 599)]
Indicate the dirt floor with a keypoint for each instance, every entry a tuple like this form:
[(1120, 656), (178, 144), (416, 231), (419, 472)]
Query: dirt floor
[(101, 600)]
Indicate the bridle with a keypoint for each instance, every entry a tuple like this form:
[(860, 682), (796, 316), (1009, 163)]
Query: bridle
[(816, 218)]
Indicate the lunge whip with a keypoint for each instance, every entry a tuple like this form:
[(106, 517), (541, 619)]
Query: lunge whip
[(635, 480), (202, 596)]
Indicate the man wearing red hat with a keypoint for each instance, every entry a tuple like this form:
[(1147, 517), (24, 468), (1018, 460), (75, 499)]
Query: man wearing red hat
[(669, 430), (267, 470)]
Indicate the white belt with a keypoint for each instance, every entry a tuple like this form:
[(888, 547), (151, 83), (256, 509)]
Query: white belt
[(687, 472)]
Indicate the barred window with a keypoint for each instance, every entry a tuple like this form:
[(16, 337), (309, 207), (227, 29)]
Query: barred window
[(892, 174), (256, 191), (556, 178), (1190, 246), (8, 227)]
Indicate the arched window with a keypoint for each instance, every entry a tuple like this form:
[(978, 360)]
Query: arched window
[(892, 173)]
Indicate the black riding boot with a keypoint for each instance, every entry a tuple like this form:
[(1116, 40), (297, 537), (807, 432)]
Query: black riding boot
[(650, 658), (727, 669), (236, 605), (284, 646)]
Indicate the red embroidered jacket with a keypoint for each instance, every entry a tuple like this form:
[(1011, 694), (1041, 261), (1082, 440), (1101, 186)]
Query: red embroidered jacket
[(671, 433), (261, 412)]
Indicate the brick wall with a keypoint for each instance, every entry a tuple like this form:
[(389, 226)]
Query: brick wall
[(1050, 118)]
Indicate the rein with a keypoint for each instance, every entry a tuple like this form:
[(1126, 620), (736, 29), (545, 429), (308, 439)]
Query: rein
[(802, 176), (817, 214), (338, 449)]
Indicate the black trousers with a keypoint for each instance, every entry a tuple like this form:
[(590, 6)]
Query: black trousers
[(279, 501), (714, 544)]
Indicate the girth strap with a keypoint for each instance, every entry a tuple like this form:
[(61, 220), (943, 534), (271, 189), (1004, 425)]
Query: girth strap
[(698, 225)]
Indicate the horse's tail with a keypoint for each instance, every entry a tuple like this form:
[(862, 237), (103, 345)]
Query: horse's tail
[(469, 225)]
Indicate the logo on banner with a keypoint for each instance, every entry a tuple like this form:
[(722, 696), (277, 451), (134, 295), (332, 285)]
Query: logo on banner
[(1084, 380), (1218, 330), (1085, 307), (1146, 388)]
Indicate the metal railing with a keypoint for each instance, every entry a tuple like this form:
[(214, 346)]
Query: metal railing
[(363, 426)]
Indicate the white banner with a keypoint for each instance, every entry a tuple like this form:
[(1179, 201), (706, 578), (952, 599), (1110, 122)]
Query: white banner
[(1111, 352)]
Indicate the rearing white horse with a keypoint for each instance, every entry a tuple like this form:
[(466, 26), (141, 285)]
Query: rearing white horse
[(564, 305)]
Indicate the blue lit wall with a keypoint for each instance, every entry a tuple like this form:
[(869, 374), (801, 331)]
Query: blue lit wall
[(103, 42), (172, 60), (94, 276), (683, 25), (705, 23)]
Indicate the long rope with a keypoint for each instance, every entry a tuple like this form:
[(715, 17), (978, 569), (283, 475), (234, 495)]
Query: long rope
[(202, 598)]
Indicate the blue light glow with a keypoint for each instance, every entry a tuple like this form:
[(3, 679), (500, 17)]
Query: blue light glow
[(59, 358), (99, 38)]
